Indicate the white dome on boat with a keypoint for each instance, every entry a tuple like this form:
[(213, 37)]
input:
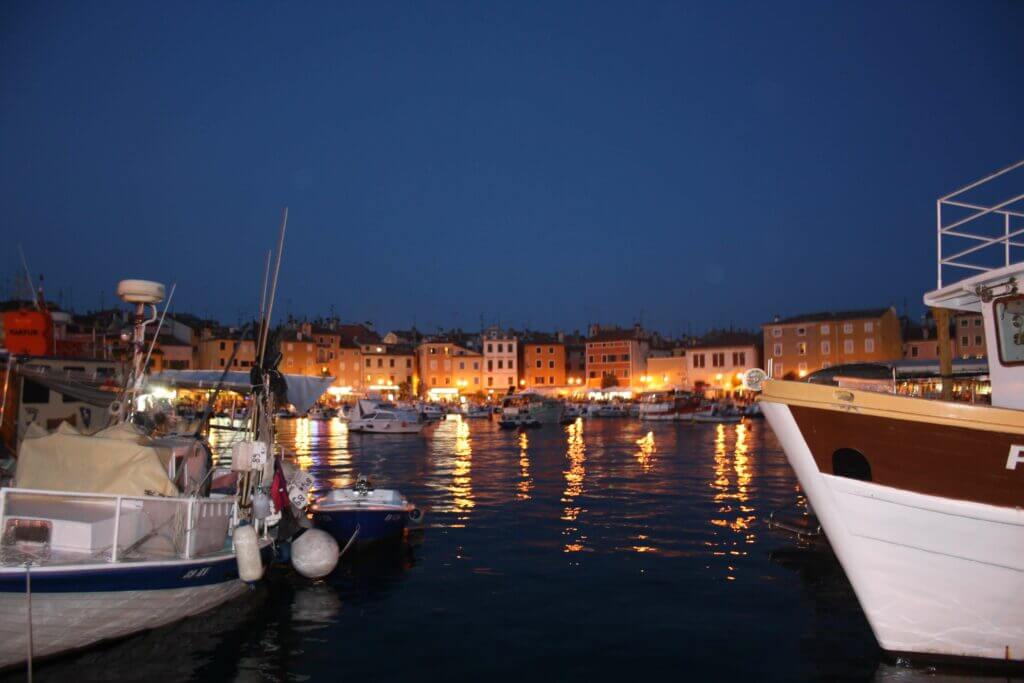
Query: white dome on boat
[(140, 291)]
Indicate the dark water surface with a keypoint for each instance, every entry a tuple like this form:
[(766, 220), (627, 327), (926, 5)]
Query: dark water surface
[(602, 551)]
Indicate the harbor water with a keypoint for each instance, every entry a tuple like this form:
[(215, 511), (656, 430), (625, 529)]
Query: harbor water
[(597, 551)]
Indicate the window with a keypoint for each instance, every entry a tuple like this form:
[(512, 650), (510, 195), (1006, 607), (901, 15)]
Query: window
[(977, 322), (222, 362), (801, 349), (847, 328), (510, 380), (391, 362), (540, 363), (802, 367), (801, 331), (476, 365), (963, 322), (223, 346), (511, 364), (433, 365), (777, 370), (551, 364), (462, 365), (490, 348), (869, 326), (826, 364), (869, 345), (433, 381), (964, 341), (551, 349), (432, 350), (977, 341), (34, 392), (777, 351), (698, 360), (380, 362), (739, 358), (590, 359), (501, 348), (490, 365), (825, 329), (551, 380), (368, 362), (913, 352), (593, 374), (776, 332), (847, 346), (538, 380), (625, 373), (490, 381), (476, 380), (1010, 329), (447, 380), (718, 359), (604, 358), (408, 362), (447, 364), (826, 347), (501, 364)]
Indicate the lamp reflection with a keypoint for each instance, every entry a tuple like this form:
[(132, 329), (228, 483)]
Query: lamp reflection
[(574, 476), (732, 482), (646, 453), (462, 482), (525, 482)]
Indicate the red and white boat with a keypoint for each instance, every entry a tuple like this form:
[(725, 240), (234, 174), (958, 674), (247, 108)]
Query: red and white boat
[(923, 500), (668, 406)]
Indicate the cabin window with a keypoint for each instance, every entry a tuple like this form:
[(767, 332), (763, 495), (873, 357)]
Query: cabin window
[(850, 463), (34, 392), (1009, 313)]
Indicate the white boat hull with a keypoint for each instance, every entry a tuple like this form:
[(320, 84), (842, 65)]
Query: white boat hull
[(934, 575), (69, 621)]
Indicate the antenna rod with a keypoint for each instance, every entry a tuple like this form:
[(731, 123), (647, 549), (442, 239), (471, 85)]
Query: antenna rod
[(160, 324), (273, 287), (31, 282)]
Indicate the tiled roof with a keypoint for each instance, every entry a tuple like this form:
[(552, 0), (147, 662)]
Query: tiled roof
[(866, 313)]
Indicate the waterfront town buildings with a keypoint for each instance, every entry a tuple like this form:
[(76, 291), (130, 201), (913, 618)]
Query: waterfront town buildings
[(616, 357), (801, 344), (501, 359), (544, 362), (453, 364), (716, 362)]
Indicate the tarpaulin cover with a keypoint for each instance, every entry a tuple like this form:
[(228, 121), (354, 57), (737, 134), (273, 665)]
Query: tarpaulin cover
[(118, 460)]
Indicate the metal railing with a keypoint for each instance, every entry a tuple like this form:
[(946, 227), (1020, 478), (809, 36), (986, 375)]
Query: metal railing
[(144, 527), (970, 227)]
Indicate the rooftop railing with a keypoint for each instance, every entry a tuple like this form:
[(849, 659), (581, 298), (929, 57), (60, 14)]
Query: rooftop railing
[(980, 225)]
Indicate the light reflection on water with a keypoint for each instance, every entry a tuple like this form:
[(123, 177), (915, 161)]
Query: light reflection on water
[(605, 542)]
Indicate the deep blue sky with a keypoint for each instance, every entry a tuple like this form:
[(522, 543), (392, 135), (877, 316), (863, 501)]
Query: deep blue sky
[(544, 164)]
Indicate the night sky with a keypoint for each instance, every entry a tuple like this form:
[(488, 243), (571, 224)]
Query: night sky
[(546, 165)]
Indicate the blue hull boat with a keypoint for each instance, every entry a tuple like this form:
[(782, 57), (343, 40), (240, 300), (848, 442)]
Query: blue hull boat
[(363, 513)]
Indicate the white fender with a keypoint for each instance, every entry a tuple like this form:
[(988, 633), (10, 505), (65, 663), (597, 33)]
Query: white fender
[(247, 553)]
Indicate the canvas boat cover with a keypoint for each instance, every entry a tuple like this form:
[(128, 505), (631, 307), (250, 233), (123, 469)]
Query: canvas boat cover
[(118, 460), (303, 391)]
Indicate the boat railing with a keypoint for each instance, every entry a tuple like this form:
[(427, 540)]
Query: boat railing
[(981, 225), (115, 527)]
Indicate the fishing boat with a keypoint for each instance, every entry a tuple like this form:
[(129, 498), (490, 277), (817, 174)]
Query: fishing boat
[(668, 406), (718, 413), (109, 534), (922, 499), (373, 417), (363, 513), (476, 412), (529, 408)]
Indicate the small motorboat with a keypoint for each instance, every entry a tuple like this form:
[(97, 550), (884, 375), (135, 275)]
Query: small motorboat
[(383, 418), (474, 412), (363, 513), (431, 412)]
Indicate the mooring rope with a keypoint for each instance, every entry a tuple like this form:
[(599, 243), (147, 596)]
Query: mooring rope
[(28, 602)]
